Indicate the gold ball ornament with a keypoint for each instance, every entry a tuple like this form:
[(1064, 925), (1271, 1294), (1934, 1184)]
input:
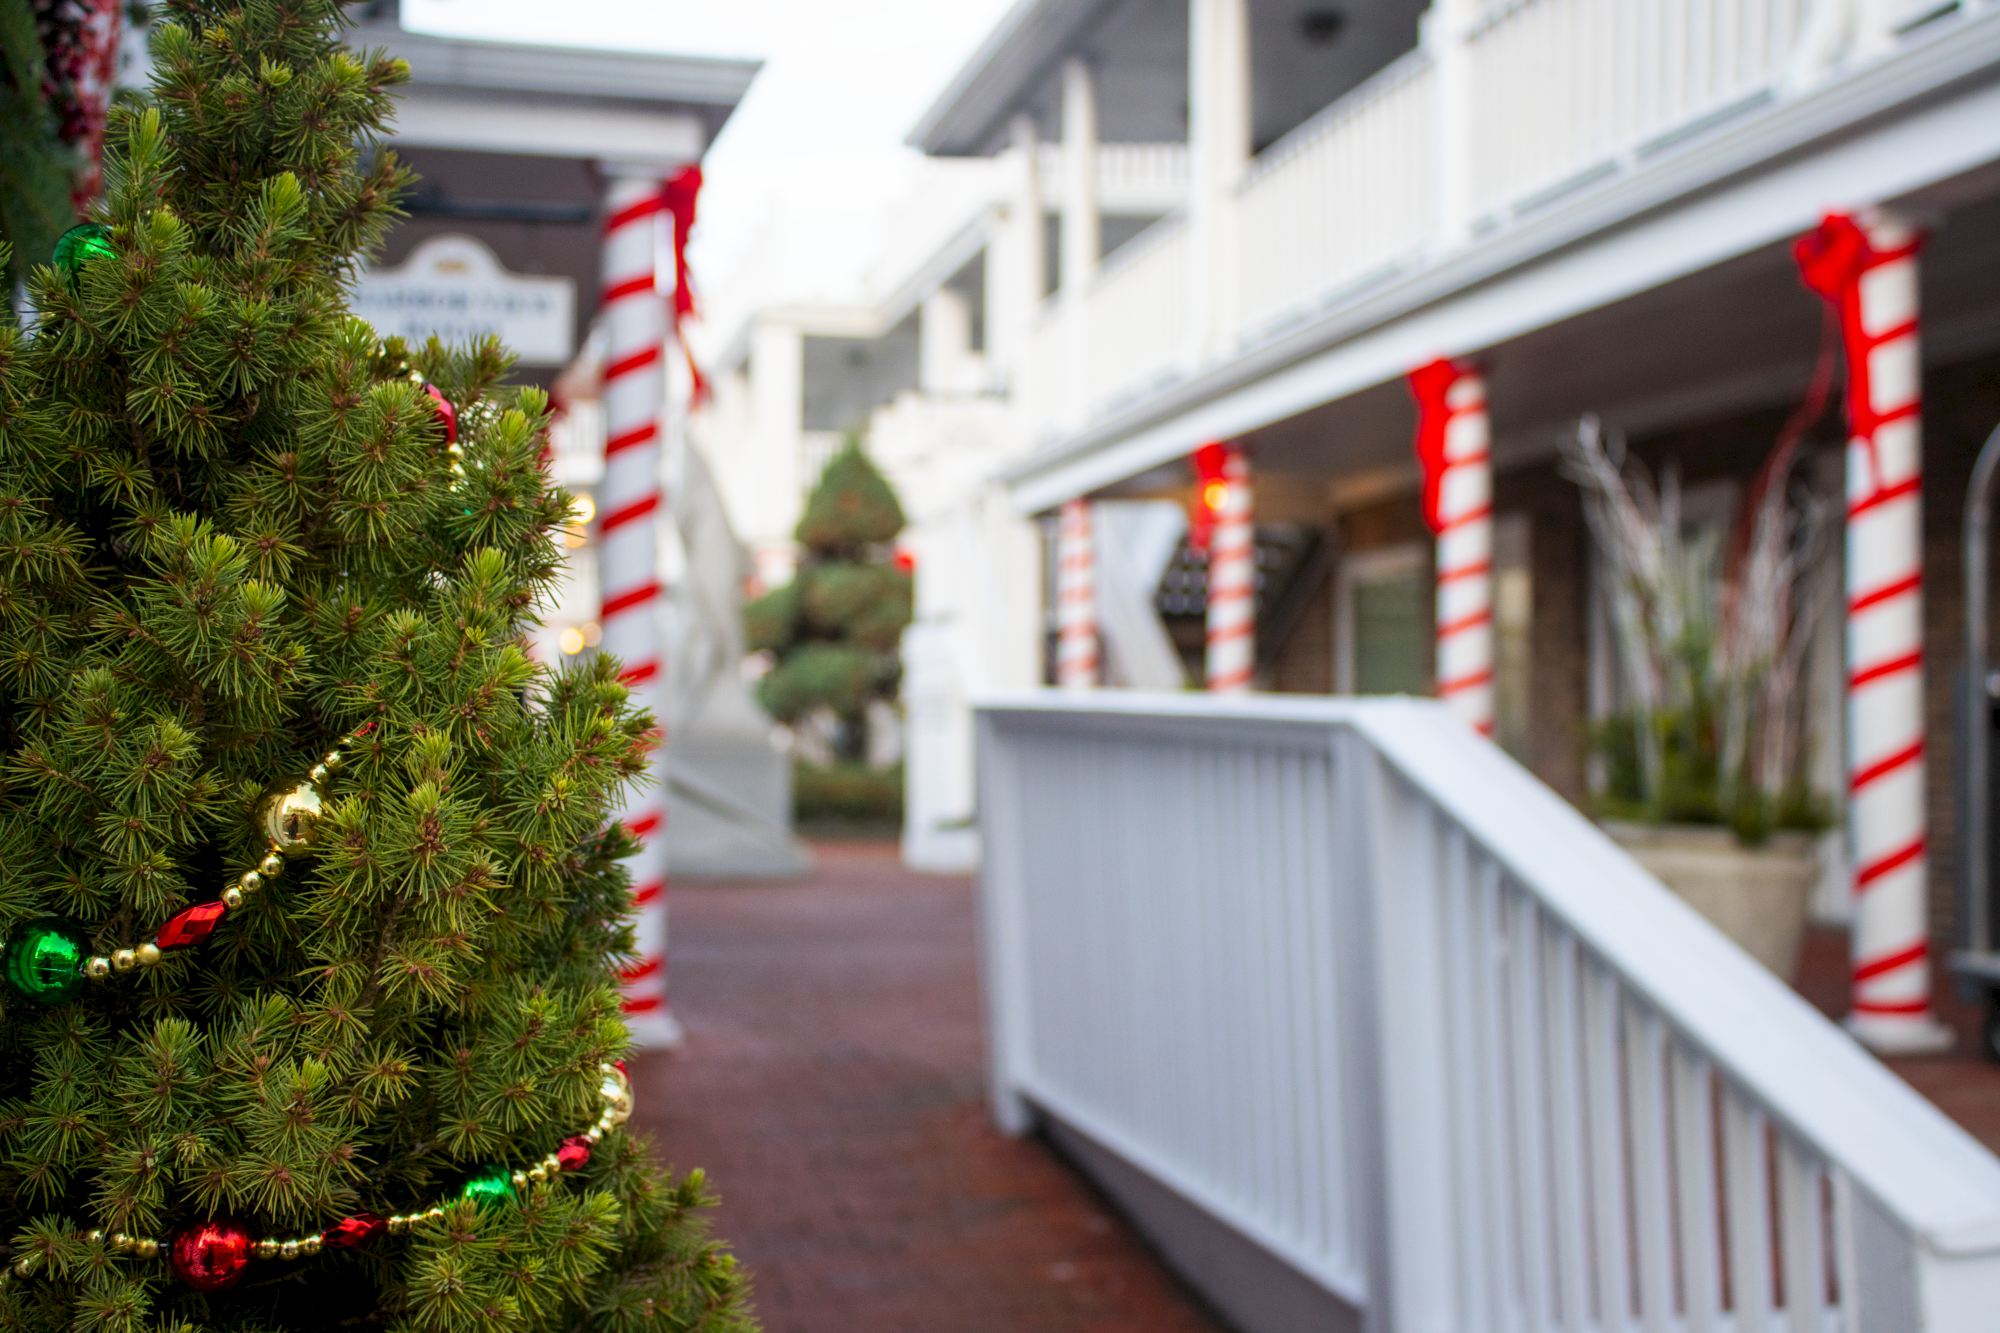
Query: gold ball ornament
[(271, 866), (124, 960), (232, 897), (97, 969), (290, 818), (148, 954)]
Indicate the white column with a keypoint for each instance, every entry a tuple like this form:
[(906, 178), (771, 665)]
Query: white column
[(1076, 599), (1080, 239), (777, 415), (945, 361), (1447, 36), (1232, 582), (1887, 816), (1218, 153), (630, 509)]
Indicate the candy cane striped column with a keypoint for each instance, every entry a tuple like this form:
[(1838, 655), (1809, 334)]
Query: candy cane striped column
[(1453, 444), (1076, 599), (1870, 270), (1232, 581), (629, 506)]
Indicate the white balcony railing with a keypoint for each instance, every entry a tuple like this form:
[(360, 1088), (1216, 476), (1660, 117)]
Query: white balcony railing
[(1566, 86), (1342, 196), (1347, 979), (1555, 94)]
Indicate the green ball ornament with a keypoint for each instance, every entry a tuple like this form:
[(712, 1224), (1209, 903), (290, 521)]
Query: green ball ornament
[(80, 243), (491, 1185), (43, 961)]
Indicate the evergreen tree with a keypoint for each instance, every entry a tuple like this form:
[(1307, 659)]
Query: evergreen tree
[(835, 629), (310, 906)]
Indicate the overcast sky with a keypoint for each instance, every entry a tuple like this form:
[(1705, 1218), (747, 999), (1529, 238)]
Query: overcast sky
[(798, 183)]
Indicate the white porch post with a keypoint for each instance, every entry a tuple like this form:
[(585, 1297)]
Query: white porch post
[(1015, 273), (777, 388), (945, 360), (1218, 153), (1079, 229)]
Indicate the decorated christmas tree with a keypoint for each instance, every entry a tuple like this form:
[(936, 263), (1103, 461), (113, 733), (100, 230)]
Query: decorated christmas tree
[(835, 629), (309, 901)]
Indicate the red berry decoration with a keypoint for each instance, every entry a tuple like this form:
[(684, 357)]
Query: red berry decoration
[(574, 1154), (208, 1256), (190, 925), (350, 1232), (446, 414)]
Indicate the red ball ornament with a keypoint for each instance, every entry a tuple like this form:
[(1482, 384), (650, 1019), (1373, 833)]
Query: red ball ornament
[(208, 1256), (447, 415)]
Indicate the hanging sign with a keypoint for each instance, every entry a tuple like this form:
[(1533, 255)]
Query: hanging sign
[(454, 287)]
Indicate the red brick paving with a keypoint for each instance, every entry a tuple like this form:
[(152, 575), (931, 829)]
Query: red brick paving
[(832, 1085), (1963, 1083)]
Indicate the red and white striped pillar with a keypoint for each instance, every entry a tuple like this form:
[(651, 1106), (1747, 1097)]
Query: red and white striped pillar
[(1868, 269), (1076, 599), (630, 507), (1453, 444), (1232, 572)]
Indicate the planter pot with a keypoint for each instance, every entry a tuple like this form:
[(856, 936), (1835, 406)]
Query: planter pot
[(1756, 896)]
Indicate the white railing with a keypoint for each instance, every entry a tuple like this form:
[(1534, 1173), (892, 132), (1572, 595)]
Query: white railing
[(1347, 979), (1344, 195), (1563, 86), (1131, 177)]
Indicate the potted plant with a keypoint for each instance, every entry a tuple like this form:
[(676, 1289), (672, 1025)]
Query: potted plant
[(1701, 772)]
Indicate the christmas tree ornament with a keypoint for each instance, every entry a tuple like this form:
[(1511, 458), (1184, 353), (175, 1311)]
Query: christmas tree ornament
[(289, 819), (353, 1231), (190, 925), (210, 1255), (79, 245), (488, 1186), (44, 961), (447, 415)]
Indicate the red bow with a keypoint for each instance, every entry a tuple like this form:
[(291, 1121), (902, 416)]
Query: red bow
[(1832, 257), (1429, 385), (1211, 462)]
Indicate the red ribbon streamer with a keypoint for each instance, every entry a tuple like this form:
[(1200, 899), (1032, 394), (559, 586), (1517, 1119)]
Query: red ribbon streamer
[(1429, 385), (679, 196)]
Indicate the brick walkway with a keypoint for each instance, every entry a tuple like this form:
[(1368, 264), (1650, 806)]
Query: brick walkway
[(832, 1086)]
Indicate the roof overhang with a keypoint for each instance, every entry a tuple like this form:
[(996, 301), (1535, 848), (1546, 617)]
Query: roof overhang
[(1028, 43), (658, 110)]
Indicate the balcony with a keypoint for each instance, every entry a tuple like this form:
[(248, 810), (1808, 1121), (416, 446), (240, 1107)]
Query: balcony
[(1533, 106)]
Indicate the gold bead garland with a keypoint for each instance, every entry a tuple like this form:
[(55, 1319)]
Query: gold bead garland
[(616, 1091), (288, 819)]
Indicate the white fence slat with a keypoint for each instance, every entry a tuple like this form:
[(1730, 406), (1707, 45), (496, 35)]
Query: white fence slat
[(1652, 1205), (1694, 1187), (1526, 1070), (1604, 1065), (1803, 1231), (1748, 1175), (1570, 1146)]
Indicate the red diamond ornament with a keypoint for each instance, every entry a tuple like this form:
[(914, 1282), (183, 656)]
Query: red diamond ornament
[(447, 416), (574, 1153), (190, 925), (349, 1232)]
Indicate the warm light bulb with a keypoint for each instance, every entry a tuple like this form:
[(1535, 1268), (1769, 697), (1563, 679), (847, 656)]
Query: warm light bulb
[(593, 634), (584, 509), (1214, 494), (572, 641)]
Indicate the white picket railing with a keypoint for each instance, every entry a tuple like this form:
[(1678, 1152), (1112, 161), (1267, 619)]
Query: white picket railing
[(1345, 194), (1353, 983), (1564, 86), (1555, 94)]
